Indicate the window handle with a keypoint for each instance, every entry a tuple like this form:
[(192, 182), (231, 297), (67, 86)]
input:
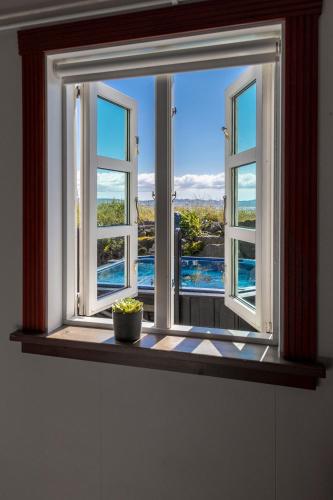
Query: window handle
[(224, 210), (226, 132), (138, 220)]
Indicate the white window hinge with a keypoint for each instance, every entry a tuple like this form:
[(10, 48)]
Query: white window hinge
[(268, 327), (137, 141), (278, 48), (173, 111), (77, 91)]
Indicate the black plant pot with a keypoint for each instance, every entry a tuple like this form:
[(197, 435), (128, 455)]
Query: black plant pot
[(127, 327)]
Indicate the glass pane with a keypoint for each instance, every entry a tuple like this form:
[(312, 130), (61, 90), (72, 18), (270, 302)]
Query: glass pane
[(111, 198), (245, 271), (111, 265), (112, 130), (142, 90), (245, 119), (244, 196)]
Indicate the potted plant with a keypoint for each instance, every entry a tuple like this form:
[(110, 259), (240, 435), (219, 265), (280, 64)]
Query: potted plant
[(127, 319)]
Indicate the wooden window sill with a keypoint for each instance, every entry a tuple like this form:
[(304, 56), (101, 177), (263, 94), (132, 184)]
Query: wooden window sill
[(215, 358)]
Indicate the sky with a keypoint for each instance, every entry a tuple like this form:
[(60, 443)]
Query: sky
[(198, 139)]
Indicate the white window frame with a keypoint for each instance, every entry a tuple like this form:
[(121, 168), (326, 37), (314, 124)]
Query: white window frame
[(163, 303), (260, 316), (164, 220), (89, 304)]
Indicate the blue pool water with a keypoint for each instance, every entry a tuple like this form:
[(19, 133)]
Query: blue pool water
[(196, 273)]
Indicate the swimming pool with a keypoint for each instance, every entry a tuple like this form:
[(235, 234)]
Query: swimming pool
[(196, 274)]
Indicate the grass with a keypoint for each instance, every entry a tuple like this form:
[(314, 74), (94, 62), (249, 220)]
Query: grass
[(195, 222), (112, 212), (205, 213)]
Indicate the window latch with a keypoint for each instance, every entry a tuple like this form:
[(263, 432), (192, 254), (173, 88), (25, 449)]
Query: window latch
[(278, 49), (138, 219), (78, 302), (173, 196), (226, 132), (224, 210)]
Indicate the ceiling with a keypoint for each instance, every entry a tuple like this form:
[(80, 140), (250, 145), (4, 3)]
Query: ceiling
[(19, 13)]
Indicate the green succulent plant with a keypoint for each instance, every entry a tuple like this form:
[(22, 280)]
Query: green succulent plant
[(127, 306)]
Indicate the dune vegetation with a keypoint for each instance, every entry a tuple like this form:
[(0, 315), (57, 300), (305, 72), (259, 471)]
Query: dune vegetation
[(200, 225)]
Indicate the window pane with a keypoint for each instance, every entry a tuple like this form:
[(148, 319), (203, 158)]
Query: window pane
[(142, 91), (245, 119), (244, 196), (111, 198), (112, 130), (245, 271), (111, 265)]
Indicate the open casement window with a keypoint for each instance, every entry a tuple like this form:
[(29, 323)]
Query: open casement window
[(109, 194), (248, 175)]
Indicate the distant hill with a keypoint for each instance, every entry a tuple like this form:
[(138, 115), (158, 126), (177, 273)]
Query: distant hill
[(247, 204), (190, 202), (184, 202)]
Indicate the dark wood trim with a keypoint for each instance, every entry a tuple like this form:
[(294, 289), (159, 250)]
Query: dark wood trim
[(161, 22), (34, 192), (254, 366), (300, 154), (300, 187)]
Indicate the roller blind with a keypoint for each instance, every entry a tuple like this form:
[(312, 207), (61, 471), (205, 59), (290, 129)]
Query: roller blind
[(171, 56)]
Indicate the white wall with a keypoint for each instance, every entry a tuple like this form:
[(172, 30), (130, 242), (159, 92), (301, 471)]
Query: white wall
[(83, 431)]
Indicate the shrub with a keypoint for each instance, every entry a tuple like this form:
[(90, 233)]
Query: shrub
[(148, 239), (145, 243), (111, 213), (109, 249), (192, 247), (190, 224), (146, 212)]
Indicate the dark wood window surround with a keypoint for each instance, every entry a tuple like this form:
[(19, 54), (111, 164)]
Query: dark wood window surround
[(298, 364)]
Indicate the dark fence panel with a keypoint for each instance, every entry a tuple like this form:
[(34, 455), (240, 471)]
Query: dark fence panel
[(208, 311), (199, 310)]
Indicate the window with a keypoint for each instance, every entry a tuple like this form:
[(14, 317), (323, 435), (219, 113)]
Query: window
[(190, 263), (109, 226), (249, 242), (50, 48)]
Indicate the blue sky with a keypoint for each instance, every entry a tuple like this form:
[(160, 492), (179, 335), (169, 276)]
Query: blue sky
[(198, 140)]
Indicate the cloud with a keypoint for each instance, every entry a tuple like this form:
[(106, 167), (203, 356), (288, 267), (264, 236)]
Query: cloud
[(247, 181), (188, 181), (203, 181), (197, 181), (146, 182), (209, 186), (110, 182)]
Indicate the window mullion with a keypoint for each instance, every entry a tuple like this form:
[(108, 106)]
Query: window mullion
[(164, 218)]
